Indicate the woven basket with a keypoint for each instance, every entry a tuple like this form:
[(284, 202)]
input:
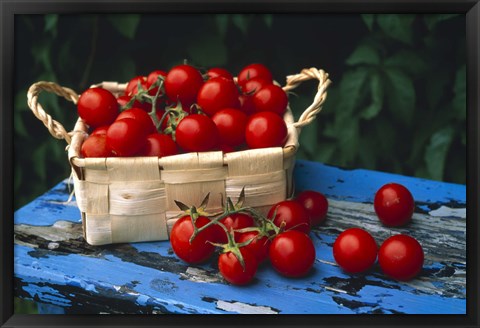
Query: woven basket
[(132, 199)]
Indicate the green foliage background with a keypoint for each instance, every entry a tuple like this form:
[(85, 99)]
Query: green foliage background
[(397, 102)]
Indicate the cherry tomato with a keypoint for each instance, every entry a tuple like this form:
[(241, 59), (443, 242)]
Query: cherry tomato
[(236, 221), (226, 148), (100, 130), (96, 146), (160, 145), (97, 107), (292, 214), (126, 137), (182, 84), (231, 268), (132, 86), (355, 250), (401, 257), (254, 70), (259, 246), (394, 204), (253, 85), (152, 78), (292, 253), (200, 249), (216, 72), (265, 129), (246, 104), (217, 93), (141, 116), (270, 98), (197, 133), (316, 205), (231, 125)]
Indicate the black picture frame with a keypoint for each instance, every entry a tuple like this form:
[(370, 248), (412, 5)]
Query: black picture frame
[(10, 8)]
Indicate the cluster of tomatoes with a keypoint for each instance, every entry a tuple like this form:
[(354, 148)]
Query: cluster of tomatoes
[(399, 256), (247, 239), (185, 110)]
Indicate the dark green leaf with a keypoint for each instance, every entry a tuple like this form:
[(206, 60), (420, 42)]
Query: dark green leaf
[(364, 54), (459, 102), (268, 19), (409, 61), (385, 134), (221, 21), (436, 152), (19, 125), (208, 51), (125, 24), (241, 21), (325, 151), (348, 141), (350, 87), (376, 90), (39, 157), (435, 88), (397, 26), (431, 20), (51, 21), (400, 95), (369, 20), (368, 151)]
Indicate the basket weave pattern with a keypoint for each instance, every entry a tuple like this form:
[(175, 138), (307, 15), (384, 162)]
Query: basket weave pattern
[(132, 199)]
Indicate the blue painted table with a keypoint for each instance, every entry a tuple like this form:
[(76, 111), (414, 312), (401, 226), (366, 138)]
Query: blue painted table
[(55, 267)]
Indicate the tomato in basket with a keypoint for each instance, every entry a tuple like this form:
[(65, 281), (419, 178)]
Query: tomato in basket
[(265, 129), (97, 107)]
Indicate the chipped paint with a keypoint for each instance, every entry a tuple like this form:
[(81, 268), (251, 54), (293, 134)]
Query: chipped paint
[(243, 308)]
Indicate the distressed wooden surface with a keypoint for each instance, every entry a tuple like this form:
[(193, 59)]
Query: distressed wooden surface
[(54, 265)]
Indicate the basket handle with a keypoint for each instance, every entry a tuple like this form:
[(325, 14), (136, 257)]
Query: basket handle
[(55, 128), (306, 74)]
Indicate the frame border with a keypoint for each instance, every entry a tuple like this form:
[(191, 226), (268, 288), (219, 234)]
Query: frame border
[(8, 10)]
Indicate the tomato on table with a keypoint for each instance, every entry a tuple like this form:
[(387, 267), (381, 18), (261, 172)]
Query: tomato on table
[(292, 253), (316, 205), (232, 270), (291, 215), (355, 250), (401, 257), (394, 204)]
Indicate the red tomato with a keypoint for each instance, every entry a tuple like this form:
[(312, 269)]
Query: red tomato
[(216, 72), (126, 137), (182, 84), (236, 221), (270, 98), (355, 250), (96, 146), (231, 268), (132, 86), (292, 253), (217, 93), (231, 125), (265, 129), (316, 205), (100, 130), (97, 107), (259, 246), (226, 148), (246, 104), (197, 133), (160, 145), (253, 85), (200, 249), (152, 78), (292, 214), (254, 70), (141, 116), (394, 205), (401, 257)]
